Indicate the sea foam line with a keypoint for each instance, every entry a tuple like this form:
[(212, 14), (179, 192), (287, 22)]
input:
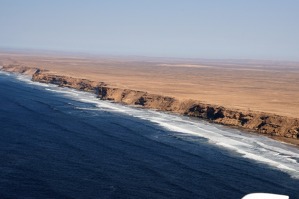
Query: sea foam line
[(250, 146)]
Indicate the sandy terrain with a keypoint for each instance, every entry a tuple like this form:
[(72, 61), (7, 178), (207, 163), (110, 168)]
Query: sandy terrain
[(256, 85)]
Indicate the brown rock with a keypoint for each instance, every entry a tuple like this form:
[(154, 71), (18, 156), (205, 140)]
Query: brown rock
[(265, 123)]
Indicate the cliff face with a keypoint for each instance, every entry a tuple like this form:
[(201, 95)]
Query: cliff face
[(264, 123), (20, 69)]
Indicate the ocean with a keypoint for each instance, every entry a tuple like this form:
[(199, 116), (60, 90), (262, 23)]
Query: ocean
[(62, 143)]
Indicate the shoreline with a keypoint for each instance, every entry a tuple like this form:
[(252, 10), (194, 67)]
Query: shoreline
[(282, 128)]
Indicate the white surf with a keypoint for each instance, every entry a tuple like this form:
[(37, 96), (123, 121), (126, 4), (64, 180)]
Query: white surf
[(259, 148)]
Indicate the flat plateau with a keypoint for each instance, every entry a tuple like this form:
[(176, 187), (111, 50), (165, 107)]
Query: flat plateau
[(261, 96)]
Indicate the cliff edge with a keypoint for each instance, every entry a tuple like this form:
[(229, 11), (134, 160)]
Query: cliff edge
[(270, 124)]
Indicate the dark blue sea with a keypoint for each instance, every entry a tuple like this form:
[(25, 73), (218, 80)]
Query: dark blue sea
[(61, 143)]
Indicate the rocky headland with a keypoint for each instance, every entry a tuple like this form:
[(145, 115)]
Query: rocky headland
[(278, 127)]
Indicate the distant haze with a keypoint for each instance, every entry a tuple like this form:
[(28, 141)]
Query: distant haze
[(230, 29)]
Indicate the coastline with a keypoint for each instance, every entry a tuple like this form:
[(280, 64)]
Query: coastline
[(63, 123), (282, 128)]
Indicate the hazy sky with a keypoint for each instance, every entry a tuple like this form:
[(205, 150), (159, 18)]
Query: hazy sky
[(261, 29)]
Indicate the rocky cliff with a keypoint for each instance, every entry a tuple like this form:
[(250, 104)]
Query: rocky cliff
[(265, 123)]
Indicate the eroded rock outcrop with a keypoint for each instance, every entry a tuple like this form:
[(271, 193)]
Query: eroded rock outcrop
[(25, 70), (264, 123)]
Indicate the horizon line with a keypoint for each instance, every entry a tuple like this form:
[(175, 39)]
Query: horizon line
[(120, 55)]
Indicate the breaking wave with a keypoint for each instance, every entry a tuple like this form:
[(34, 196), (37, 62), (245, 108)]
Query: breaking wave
[(259, 148)]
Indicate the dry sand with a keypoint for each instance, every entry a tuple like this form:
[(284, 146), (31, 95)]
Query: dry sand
[(265, 86)]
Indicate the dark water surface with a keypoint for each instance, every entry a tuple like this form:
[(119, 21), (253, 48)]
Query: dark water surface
[(50, 148)]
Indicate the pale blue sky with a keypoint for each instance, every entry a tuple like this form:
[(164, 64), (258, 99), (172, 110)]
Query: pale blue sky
[(241, 29)]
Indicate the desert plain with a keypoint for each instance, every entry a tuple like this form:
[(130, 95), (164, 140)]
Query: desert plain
[(265, 86)]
